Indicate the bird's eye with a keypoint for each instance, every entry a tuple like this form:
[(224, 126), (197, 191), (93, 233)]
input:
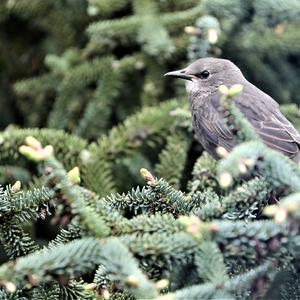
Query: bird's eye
[(203, 75)]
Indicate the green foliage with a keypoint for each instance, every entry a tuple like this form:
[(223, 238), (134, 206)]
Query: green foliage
[(23, 205), (210, 265), (76, 199), (123, 270), (68, 147), (96, 116), (291, 112), (134, 252), (15, 241), (236, 286), (246, 201), (204, 174), (138, 238), (73, 232), (82, 82), (148, 127), (278, 170), (76, 257), (172, 159), (16, 209)]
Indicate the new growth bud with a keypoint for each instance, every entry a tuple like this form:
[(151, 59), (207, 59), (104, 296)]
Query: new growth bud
[(162, 284), (33, 150), (33, 142), (192, 30), (222, 152), (148, 177), (234, 90), (74, 175), (9, 286), (30, 153), (212, 35), (223, 89), (225, 179), (279, 213), (90, 286), (193, 225), (16, 187), (133, 281)]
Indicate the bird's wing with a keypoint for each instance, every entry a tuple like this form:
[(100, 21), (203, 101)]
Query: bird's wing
[(260, 110), (270, 124), (213, 129)]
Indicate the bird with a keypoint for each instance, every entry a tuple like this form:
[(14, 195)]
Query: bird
[(203, 79)]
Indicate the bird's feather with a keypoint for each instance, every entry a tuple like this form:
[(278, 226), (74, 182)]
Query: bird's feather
[(211, 128), (260, 110), (270, 124)]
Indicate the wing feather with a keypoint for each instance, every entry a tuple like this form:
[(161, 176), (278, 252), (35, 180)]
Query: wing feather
[(211, 128), (270, 124), (261, 111)]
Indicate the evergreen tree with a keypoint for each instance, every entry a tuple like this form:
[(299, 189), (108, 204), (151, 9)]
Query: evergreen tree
[(113, 198)]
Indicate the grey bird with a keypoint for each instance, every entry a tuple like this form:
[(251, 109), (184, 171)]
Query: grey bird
[(203, 78)]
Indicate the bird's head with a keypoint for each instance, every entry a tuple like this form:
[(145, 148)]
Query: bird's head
[(207, 74)]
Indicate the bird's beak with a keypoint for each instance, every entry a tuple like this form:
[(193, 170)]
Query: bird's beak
[(179, 74)]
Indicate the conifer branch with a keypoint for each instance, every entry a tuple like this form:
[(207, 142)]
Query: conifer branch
[(172, 159), (255, 158), (149, 126), (12, 139)]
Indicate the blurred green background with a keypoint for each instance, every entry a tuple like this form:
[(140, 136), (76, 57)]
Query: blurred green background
[(83, 66)]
